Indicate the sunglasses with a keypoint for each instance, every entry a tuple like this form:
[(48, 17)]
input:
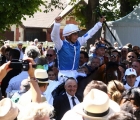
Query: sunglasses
[(114, 56), (49, 55), (131, 56)]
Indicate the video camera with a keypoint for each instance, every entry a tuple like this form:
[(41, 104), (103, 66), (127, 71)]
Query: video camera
[(24, 65)]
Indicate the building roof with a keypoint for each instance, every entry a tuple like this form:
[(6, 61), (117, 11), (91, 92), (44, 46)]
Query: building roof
[(45, 20), (41, 19)]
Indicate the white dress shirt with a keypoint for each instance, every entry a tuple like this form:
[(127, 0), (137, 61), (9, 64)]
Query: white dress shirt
[(70, 100)]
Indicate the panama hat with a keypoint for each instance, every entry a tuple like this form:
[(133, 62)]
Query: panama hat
[(96, 106), (41, 75), (8, 109)]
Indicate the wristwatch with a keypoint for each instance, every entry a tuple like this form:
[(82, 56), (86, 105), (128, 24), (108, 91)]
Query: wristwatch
[(32, 79)]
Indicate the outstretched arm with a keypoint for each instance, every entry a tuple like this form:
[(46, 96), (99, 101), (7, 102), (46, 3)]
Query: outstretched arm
[(55, 34), (91, 32), (36, 95)]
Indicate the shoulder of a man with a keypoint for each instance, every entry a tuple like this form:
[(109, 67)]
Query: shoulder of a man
[(19, 77), (59, 98)]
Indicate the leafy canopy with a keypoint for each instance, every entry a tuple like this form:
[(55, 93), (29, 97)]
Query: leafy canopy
[(12, 11)]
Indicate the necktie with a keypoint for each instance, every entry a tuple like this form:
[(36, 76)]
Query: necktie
[(73, 102)]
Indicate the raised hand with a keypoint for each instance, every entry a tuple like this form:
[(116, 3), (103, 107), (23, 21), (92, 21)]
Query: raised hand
[(58, 19), (4, 69), (102, 19)]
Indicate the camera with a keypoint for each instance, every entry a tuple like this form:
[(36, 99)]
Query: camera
[(24, 65)]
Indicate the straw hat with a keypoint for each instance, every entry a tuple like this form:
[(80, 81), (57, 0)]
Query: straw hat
[(96, 106), (41, 75), (8, 109)]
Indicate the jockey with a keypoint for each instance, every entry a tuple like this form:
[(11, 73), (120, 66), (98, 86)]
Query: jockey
[(68, 50)]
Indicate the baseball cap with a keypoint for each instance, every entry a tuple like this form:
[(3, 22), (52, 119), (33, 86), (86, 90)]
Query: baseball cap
[(100, 46), (130, 71)]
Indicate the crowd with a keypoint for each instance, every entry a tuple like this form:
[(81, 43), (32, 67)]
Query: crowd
[(32, 94)]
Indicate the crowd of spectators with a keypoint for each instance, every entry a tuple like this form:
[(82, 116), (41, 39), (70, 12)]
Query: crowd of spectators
[(27, 94)]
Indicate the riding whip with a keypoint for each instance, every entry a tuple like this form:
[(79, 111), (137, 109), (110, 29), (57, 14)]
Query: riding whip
[(98, 11)]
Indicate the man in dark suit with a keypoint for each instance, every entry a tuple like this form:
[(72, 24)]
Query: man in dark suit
[(67, 101), (13, 57)]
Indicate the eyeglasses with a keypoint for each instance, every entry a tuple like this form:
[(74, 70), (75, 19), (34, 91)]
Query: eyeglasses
[(49, 55), (114, 55), (131, 56)]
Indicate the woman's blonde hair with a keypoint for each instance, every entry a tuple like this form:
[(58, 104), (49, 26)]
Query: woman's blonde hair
[(115, 90), (36, 111)]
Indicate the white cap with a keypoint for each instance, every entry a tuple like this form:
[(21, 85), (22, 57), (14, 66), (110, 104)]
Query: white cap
[(35, 40), (130, 71), (20, 43), (69, 29)]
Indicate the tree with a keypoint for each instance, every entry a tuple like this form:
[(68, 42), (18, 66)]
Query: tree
[(88, 14), (126, 6), (12, 11), (112, 9)]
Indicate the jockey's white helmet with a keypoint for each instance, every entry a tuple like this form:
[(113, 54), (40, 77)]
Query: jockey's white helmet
[(69, 29)]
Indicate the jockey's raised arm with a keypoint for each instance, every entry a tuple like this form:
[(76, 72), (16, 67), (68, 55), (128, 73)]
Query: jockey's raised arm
[(55, 34), (68, 50)]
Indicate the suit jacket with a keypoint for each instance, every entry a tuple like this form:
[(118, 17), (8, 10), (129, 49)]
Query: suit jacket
[(61, 106)]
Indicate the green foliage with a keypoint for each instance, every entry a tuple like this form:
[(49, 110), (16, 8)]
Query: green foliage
[(78, 12), (12, 11), (108, 8)]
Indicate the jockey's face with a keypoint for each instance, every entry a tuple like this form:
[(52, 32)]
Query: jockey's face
[(71, 87), (73, 37), (100, 52)]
